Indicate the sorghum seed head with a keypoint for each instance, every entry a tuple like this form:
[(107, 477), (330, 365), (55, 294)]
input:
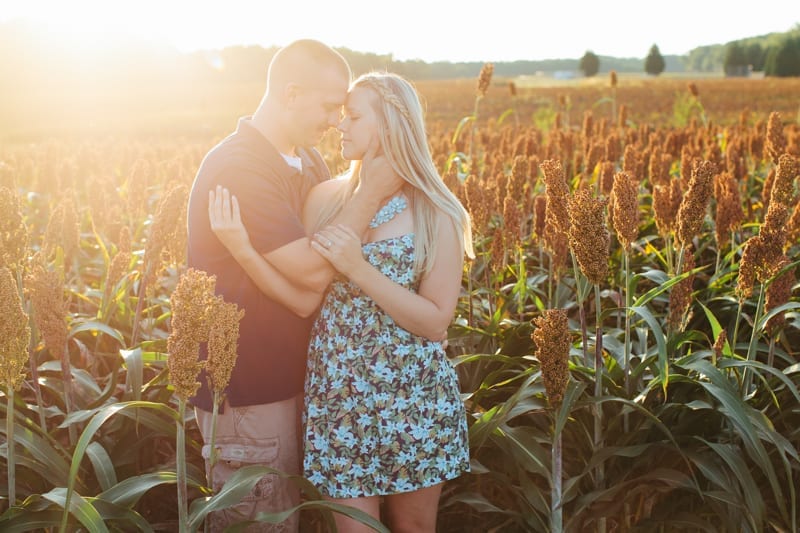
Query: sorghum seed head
[(45, 288), (15, 333), (13, 232), (693, 207), (779, 292), (783, 187), (588, 236), (729, 212), (552, 338), (191, 302), (625, 208), (223, 339), (485, 78), (776, 140)]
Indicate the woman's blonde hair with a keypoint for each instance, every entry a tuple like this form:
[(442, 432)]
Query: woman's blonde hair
[(404, 142)]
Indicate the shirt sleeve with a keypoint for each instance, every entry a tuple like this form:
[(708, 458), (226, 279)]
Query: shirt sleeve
[(271, 207)]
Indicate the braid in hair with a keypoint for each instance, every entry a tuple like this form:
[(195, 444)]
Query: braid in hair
[(387, 95)]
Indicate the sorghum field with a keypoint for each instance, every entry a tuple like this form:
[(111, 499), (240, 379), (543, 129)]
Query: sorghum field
[(628, 339)]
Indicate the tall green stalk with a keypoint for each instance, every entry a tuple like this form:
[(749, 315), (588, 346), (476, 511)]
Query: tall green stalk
[(751, 348), (66, 373), (598, 391), (180, 468), (212, 444), (627, 340), (556, 505), (10, 456), (581, 310)]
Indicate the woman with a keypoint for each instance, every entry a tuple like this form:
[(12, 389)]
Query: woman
[(383, 415)]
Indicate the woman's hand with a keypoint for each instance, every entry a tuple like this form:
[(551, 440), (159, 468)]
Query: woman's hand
[(341, 247), (226, 221)]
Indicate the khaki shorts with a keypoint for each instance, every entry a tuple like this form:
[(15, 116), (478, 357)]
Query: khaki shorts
[(266, 435)]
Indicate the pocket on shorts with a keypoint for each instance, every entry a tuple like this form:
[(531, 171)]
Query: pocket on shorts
[(245, 452)]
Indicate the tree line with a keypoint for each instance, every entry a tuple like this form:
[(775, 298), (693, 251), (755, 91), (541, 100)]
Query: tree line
[(774, 54)]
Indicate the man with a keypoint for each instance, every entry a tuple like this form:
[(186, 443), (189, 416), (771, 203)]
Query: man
[(269, 164)]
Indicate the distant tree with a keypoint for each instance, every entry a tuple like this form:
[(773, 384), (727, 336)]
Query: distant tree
[(589, 64), (654, 63), (755, 56), (735, 62), (783, 60)]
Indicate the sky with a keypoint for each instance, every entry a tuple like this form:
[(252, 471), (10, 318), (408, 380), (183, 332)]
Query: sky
[(427, 30)]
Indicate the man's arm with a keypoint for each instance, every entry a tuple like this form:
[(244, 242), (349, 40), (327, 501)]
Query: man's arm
[(226, 223)]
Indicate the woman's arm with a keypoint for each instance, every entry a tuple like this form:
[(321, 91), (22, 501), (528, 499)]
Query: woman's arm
[(226, 223), (427, 313)]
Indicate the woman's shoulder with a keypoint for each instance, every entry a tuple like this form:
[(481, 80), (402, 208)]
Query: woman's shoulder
[(328, 187)]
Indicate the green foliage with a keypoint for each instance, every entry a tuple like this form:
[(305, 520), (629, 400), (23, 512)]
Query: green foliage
[(784, 59), (654, 62), (589, 64), (686, 107), (736, 60)]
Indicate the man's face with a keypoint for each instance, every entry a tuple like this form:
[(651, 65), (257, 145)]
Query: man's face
[(318, 107)]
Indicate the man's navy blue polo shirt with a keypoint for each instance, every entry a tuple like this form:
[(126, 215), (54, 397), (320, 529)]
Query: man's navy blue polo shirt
[(273, 341)]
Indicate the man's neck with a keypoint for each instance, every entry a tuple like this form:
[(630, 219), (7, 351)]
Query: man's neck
[(272, 131)]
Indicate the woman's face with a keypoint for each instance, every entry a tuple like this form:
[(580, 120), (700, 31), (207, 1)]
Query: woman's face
[(359, 124)]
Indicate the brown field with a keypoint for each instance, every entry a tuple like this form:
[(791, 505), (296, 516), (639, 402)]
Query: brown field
[(676, 265)]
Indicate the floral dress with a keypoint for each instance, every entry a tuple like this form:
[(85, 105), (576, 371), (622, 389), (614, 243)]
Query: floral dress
[(383, 410)]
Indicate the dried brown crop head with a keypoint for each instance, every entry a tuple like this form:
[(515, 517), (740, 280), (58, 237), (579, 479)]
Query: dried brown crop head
[(793, 226), (63, 229), (666, 202), (622, 116), (775, 145), (223, 338), (498, 250), (512, 223), (15, 333), (692, 210), (785, 176), (479, 204), (45, 288), (625, 208), (631, 160), (191, 303), (557, 192), (539, 204), (121, 263), (729, 213), (613, 78), (485, 78), (760, 253), (512, 89), (775, 222), (692, 86), (719, 343), (520, 175), (13, 232), (552, 339), (588, 235), (606, 177), (779, 292), (168, 227)]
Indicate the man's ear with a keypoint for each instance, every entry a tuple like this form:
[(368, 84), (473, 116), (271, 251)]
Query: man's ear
[(291, 92)]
